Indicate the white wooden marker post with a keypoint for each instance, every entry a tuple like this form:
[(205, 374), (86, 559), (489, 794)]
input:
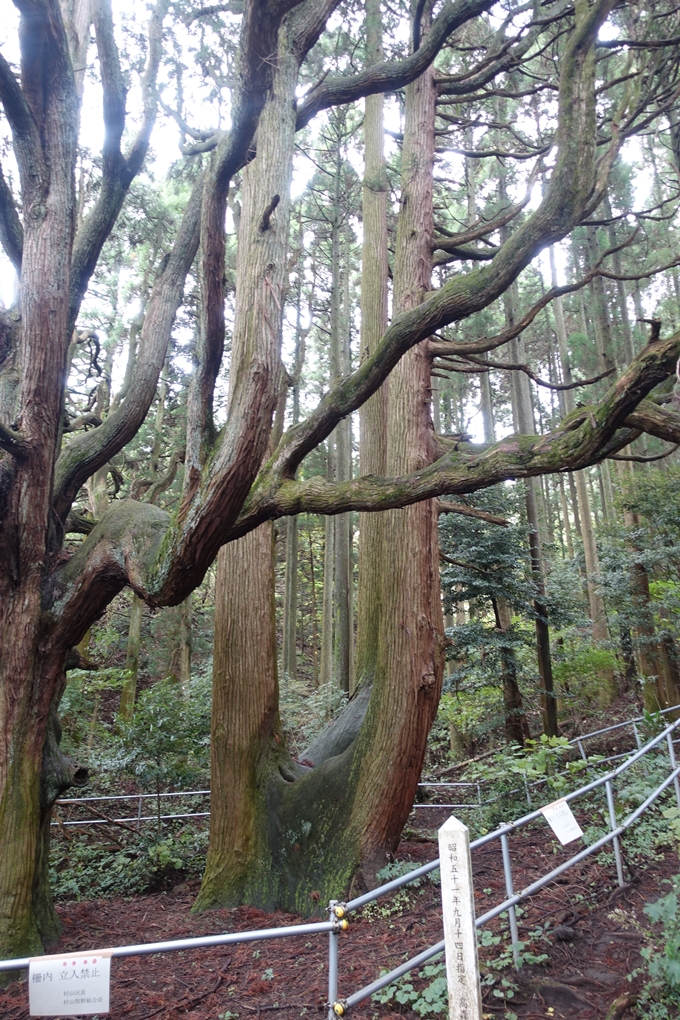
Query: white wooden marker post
[(458, 908), (69, 985)]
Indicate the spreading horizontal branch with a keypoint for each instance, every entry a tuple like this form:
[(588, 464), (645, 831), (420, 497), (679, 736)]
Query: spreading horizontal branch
[(582, 438), (389, 76), (129, 541)]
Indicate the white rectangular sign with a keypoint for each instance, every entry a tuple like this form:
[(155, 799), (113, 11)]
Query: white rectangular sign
[(560, 818), (69, 985), (458, 909)]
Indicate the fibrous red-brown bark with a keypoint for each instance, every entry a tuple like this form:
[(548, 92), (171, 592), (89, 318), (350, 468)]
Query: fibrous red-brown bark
[(46, 604)]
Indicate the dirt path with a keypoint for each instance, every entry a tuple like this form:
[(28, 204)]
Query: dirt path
[(589, 955)]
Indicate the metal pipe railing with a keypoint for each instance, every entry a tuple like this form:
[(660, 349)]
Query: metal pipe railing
[(133, 818), (231, 938), (338, 910), (513, 899)]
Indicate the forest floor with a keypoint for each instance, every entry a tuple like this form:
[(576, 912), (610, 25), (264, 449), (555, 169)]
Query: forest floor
[(590, 955)]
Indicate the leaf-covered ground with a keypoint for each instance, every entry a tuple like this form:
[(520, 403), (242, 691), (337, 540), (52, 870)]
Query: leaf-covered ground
[(590, 954)]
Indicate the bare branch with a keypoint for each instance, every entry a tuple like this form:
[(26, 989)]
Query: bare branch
[(470, 511), (507, 366), (645, 460), (235, 7), (484, 227)]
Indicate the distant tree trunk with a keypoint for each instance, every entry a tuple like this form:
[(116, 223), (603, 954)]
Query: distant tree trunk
[(315, 618), (128, 694), (328, 621), (184, 642), (289, 649), (524, 422), (342, 584), (565, 518), (290, 597), (129, 689), (373, 414), (646, 638), (516, 726), (327, 603), (583, 521)]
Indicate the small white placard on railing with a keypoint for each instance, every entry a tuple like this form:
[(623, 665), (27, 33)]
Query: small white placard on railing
[(458, 909), (69, 985), (560, 818)]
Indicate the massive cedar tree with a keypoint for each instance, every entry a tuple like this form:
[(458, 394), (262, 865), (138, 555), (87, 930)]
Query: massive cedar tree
[(236, 479)]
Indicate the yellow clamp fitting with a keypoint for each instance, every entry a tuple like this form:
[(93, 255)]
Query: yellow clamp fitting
[(339, 1008), (339, 911), (344, 925)]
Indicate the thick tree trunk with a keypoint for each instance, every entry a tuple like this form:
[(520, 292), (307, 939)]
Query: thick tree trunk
[(246, 741), (300, 838), (248, 753), (31, 669), (409, 667)]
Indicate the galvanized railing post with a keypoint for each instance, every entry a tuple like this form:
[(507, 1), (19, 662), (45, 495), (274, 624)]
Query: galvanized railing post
[(580, 747), (612, 823), (509, 890), (332, 962), (671, 753)]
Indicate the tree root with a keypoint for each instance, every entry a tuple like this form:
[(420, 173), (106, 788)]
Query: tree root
[(619, 1006)]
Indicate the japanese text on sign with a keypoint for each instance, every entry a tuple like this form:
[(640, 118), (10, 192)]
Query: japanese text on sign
[(69, 985), (462, 971), (560, 818)]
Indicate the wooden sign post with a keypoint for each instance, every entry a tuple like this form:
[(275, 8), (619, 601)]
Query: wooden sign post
[(458, 908)]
